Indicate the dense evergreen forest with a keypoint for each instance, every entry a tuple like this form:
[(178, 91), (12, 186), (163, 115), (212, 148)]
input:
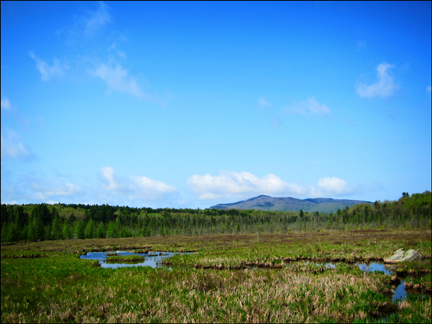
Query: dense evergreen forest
[(35, 222)]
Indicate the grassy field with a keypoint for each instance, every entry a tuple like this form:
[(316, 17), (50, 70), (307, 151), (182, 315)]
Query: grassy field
[(230, 278)]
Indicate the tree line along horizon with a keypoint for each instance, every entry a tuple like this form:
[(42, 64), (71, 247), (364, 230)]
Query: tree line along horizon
[(34, 222)]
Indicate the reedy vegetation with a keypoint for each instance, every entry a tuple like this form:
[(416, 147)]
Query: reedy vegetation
[(60, 287)]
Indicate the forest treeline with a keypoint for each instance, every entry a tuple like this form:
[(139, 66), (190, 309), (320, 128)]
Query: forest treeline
[(35, 222)]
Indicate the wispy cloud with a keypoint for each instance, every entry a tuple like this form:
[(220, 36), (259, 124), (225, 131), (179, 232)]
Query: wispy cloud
[(428, 89), (10, 202), (48, 71), (5, 104), (239, 184), (136, 187), (45, 191), (383, 87), (262, 103), (12, 146), (330, 187), (108, 175), (96, 19), (118, 79), (308, 108), (146, 184), (361, 45)]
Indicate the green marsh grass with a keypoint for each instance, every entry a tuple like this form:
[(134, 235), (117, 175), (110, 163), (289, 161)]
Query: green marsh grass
[(125, 258), (64, 288)]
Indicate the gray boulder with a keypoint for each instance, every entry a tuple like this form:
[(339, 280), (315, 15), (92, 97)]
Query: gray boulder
[(401, 255), (412, 255)]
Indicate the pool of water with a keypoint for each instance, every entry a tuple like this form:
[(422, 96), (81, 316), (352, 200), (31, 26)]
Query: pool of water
[(399, 292), (151, 259)]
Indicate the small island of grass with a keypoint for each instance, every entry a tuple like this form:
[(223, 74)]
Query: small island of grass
[(125, 258)]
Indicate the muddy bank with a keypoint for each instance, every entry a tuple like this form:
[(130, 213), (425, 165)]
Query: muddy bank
[(29, 256), (139, 249)]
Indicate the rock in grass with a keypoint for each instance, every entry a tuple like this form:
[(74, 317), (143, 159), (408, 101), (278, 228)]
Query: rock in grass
[(400, 256)]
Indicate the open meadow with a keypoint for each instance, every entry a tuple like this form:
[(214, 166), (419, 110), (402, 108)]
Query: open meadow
[(229, 278)]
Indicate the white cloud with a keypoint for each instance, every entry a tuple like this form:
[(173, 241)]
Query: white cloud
[(5, 104), (10, 202), (97, 19), (12, 147), (117, 79), (136, 187), (39, 186), (427, 89), (308, 108), (240, 185), (108, 174), (331, 187), (227, 184), (45, 191), (47, 72), (145, 183), (263, 103), (383, 87)]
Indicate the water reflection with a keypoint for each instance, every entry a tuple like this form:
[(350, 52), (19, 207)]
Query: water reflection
[(151, 259), (372, 267), (399, 292)]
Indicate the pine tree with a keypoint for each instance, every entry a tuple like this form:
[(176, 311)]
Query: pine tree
[(14, 232), (31, 232), (66, 232), (90, 229), (4, 232), (56, 233), (112, 230), (100, 231), (79, 230), (38, 228)]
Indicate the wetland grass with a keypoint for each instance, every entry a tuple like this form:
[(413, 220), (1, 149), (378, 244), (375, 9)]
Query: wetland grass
[(124, 258), (63, 288)]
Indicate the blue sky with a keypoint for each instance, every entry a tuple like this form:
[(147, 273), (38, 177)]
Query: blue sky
[(192, 104)]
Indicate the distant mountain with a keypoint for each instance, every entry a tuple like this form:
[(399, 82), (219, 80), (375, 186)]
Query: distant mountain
[(263, 202)]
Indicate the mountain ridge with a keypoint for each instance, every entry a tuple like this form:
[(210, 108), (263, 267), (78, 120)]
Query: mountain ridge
[(268, 203)]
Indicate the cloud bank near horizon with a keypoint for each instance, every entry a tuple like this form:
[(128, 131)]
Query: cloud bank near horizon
[(239, 185)]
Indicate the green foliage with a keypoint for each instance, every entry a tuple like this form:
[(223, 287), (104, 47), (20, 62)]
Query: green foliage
[(112, 230), (66, 231), (60, 287), (40, 222), (89, 231), (79, 230), (101, 231)]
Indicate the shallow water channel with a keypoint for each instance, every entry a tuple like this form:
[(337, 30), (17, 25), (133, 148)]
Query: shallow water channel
[(152, 259), (399, 292)]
